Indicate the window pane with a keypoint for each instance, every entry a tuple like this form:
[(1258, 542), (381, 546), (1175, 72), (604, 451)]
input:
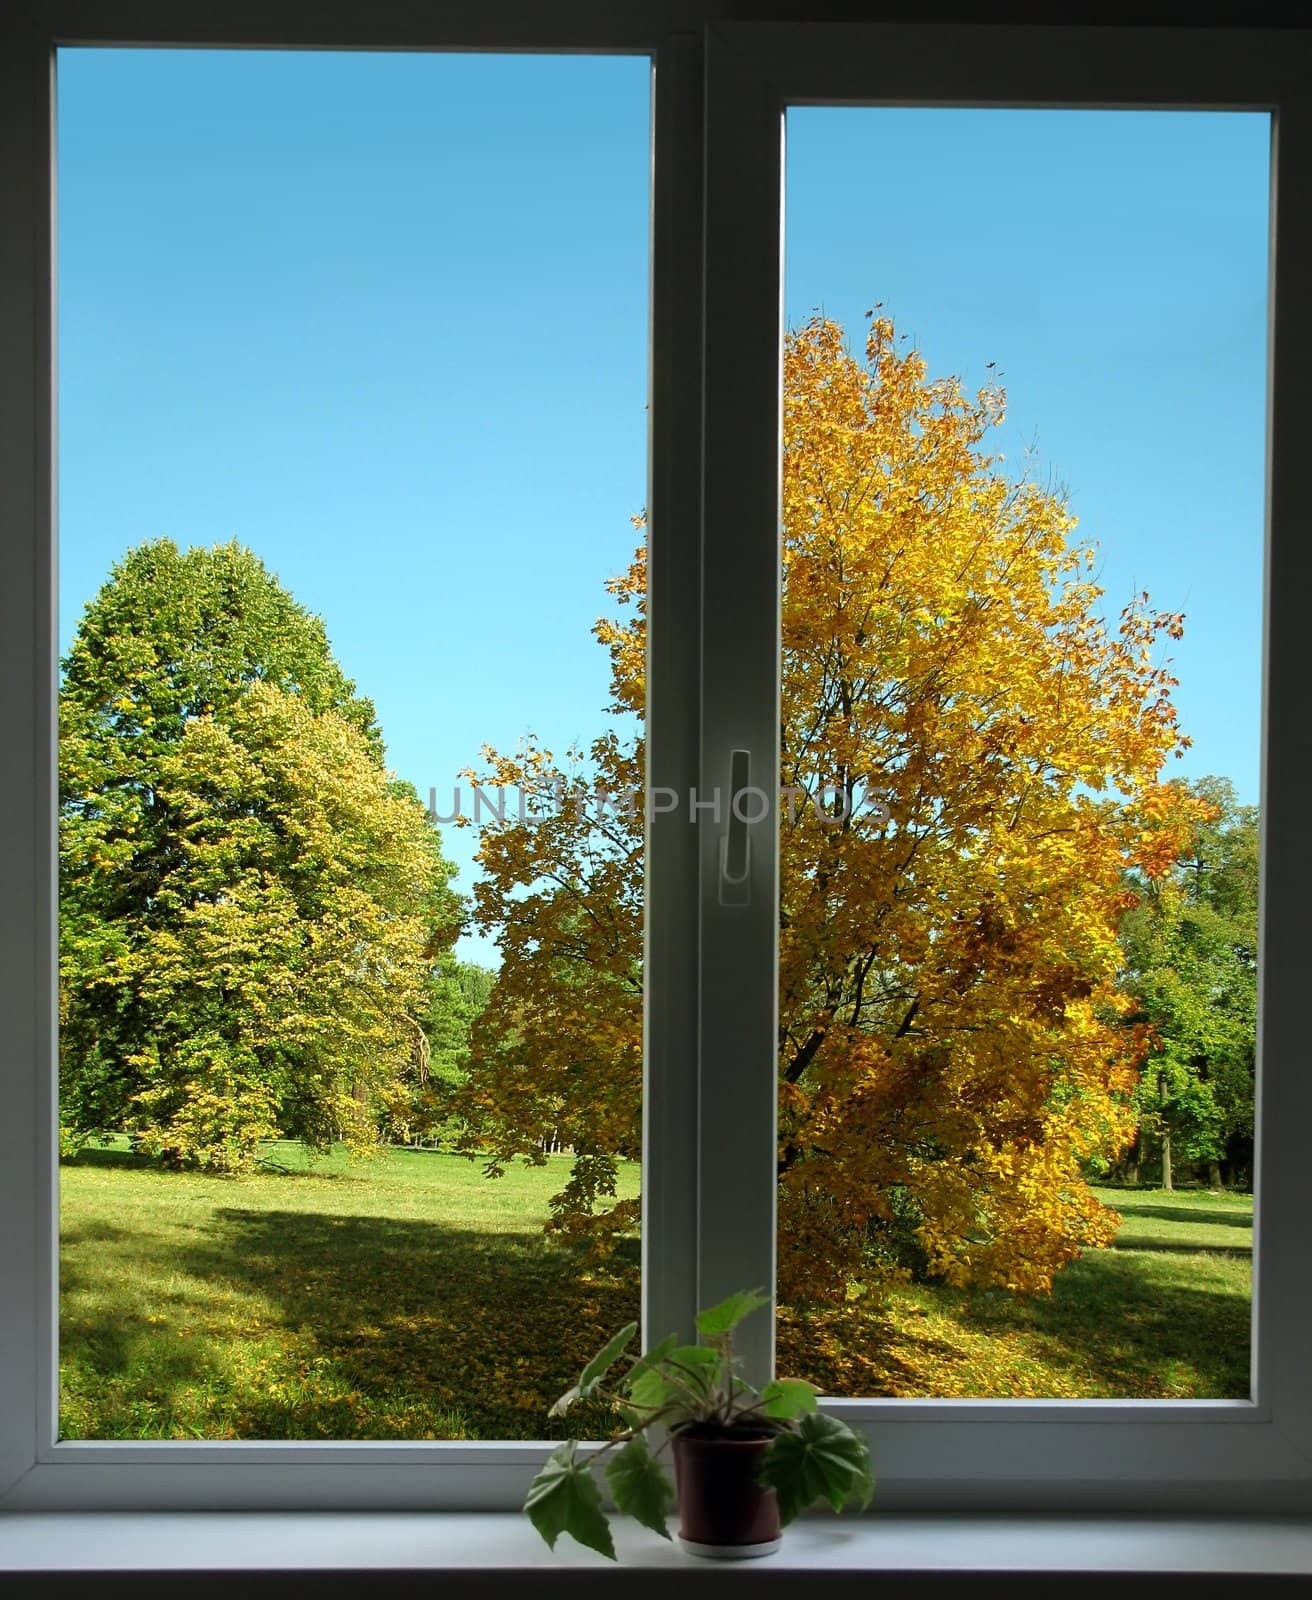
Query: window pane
[(352, 411), (1023, 503)]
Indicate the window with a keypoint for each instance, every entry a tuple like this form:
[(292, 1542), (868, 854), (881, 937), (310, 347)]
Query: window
[(417, 329), (1082, 296), (710, 967)]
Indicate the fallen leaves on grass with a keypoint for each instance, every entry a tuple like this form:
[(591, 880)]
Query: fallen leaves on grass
[(410, 1307)]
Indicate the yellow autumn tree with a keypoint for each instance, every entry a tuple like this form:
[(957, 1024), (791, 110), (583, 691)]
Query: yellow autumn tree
[(972, 761)]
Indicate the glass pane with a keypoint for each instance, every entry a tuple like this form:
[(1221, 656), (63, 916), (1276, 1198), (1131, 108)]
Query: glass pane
[(353, 427), (1023, 503)]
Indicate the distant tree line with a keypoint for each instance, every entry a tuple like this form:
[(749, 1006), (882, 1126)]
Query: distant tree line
[(1190, 944)]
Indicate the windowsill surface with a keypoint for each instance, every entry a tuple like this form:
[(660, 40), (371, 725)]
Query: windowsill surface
[(482, 1544)]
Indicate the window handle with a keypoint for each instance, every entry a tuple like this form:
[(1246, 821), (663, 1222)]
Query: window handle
[(735, 844)]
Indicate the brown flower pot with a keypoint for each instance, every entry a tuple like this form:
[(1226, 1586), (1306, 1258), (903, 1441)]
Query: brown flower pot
[(723, 1511)]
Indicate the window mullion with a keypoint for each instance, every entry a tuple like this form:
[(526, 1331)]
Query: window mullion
[(674, 610), (1282, 1289), (27, 811), (740, 691)]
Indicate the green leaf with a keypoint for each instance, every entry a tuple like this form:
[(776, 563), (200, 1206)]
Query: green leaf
[(564, 1498), (605, 1359), (686, 1367), (694, 1363), (561, 1406), (639, 1416), (715, 1322), (640, 1486), (595, 1371), (787, 1398), (653, 1357), (821, 1460)]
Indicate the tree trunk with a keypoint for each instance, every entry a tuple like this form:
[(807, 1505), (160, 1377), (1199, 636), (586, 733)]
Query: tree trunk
[(1214, 1175), (1133, 1160), (1167, 1182)]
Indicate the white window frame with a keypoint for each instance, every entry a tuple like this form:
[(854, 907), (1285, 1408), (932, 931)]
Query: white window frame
[(710, 1040), (1253, 1454)]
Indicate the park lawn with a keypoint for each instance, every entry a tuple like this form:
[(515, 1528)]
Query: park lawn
[(411, 1297), (1163, 1314), (403, 1297)]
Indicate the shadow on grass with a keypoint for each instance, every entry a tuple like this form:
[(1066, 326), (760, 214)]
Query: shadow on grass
[(1111, 1328), (1191, 1214), (1182, 1247), (95, 1230), (411, 1321), (849, 1351), (94, 1156), (268, 1167), (1129, 1332)]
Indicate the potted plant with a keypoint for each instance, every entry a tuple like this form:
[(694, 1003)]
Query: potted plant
[(746, 1461)]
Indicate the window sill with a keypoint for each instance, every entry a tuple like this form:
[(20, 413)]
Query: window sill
[(44, 1553)]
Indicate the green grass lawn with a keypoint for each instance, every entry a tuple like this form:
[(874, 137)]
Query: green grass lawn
[(411, 1297), (406, 1297), (1163, 1314)]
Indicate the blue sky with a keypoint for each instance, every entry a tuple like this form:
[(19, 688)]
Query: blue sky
[(383, 319)]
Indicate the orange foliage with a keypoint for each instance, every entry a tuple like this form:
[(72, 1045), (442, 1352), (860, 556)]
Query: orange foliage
[(989, 755)]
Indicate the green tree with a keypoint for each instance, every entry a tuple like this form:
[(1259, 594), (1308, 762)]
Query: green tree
[(458, 994), (249, 904), (422, 1106), (1191, 963)]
